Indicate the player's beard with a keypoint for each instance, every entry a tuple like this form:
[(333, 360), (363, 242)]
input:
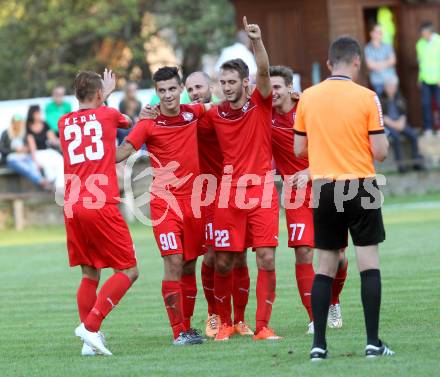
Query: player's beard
[(237, 97)]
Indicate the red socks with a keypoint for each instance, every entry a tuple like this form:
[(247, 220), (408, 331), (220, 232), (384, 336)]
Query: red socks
[(208, 287), (338, 283), (86, 297), (240, 292), (304, 279), (189, 295), (109, 296), (266, 285), (172, 298), (223, 292)]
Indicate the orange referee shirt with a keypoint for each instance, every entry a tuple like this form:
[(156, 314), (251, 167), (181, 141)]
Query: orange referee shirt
[(337, 116)]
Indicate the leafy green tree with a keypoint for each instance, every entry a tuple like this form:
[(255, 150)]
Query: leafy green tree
[(45, 42)]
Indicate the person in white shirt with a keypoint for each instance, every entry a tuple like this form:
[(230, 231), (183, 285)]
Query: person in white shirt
[(240, 49)]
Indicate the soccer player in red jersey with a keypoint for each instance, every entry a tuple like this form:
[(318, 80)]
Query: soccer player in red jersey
[(247, 215), (299, 214), (211, 162), (97, 236), (171, 141)]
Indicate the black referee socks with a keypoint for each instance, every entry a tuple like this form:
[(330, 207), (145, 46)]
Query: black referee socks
[(321, 297), (371, 291)]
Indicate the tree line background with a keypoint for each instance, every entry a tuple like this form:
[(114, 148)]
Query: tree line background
[(44, 43)]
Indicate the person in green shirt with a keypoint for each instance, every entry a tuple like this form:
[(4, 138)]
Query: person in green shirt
[(428, 56), (57, 108)]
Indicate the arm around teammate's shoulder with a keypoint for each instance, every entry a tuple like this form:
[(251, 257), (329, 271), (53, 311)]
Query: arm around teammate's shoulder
[(124, 151)]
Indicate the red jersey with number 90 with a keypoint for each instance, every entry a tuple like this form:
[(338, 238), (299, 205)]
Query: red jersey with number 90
[(88, 142)]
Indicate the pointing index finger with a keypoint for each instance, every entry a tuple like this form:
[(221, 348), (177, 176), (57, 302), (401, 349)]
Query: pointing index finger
[(245, 23)]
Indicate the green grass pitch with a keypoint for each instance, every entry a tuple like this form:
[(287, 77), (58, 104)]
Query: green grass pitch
[(38, 312)]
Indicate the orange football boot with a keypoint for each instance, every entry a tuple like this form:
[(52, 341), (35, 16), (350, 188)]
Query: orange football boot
[(243, 329), (212, 325), (224, 332), (266, 333)]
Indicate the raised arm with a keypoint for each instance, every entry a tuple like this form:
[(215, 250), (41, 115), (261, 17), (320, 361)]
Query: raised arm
[(262, 59), (124, 151), (108, 83)]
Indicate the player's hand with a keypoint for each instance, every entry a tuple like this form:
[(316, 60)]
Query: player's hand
[(149, 112), (299, 179), (108, 82), (295, 95), (253, 30)]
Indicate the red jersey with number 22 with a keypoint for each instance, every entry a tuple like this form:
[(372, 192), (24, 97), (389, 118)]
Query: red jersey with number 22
[(88, 142)]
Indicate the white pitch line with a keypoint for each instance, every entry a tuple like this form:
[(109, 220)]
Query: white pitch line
[(418, 205)]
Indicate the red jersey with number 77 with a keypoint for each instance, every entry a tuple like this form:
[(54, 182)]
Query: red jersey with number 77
[(88, 143)]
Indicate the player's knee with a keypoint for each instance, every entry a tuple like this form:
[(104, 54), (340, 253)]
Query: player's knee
[(266, 261), (189, 268), (209, 258), (304, 255), (134, 274), (223, 265), (240, 260)]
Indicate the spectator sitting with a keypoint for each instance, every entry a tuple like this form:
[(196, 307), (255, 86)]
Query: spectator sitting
[(428, 56), (396, 124), (56, 108), (380, 59), (131, 106), (15, 153), (43, 143)]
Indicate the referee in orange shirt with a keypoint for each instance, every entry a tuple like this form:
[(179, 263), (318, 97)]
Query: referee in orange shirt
[(339, 127)]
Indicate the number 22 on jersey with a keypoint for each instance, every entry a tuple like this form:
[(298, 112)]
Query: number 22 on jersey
[(74, 134)]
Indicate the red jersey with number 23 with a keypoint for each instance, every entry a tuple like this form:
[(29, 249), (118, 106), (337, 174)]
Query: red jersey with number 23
[(88, 142), (172, 145)]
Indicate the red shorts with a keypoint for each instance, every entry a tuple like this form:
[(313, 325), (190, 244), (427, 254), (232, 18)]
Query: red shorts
[(177, 234), (300, 228), (208, 214), (250, 225), (99, 238)]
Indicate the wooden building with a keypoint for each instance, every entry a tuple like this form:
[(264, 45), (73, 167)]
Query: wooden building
[(297, 33)]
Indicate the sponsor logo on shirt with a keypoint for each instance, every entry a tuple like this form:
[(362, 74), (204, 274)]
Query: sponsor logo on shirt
[(188, 116), (245, 107)]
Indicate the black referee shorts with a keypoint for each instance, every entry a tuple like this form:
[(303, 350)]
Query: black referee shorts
[(342, 206)]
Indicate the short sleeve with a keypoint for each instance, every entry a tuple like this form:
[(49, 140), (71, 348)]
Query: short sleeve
[(258, 99), (140, 133), (300, 127), (375, 116), (122, 121), (197, 108)]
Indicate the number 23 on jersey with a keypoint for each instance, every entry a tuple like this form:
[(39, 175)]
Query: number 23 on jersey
[(74, 135)]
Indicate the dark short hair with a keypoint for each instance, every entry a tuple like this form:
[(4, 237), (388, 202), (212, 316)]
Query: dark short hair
[(373, 25), (426, 25), (344, 50), (86, 84), (236, 65), (281, 71), (167, 73)]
